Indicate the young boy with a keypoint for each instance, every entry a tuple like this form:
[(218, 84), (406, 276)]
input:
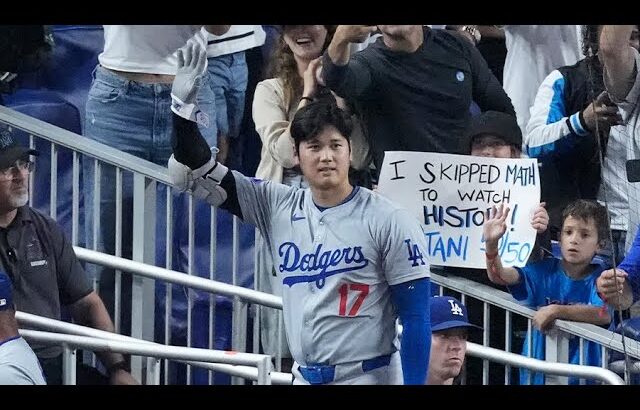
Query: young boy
[(494, 134), (559, 288)]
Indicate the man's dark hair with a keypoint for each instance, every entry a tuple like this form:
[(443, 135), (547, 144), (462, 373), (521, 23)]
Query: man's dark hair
[(311, 119), (585, 209)]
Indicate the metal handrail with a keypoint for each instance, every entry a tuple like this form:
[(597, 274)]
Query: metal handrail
[(59, 326), (83, 145), (560, 369), (178, 278), (504, 300), (149, 349)]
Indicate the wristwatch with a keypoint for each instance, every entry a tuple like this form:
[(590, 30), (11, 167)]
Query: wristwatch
[(475, 33)]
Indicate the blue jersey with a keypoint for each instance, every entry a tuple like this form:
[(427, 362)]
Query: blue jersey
[(544, 283)]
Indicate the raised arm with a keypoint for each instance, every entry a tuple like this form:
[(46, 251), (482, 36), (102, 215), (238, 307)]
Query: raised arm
[(553, 132), (191, 166), (347, 78), (338, 50), (271, 115), (487, 91), (494, 227)]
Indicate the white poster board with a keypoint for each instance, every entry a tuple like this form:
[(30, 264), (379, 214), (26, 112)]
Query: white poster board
[(450, 195)]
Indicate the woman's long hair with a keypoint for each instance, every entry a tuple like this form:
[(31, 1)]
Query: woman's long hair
[(283, 65)]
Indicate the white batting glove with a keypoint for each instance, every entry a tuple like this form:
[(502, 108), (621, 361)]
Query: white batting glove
[(192, 65)]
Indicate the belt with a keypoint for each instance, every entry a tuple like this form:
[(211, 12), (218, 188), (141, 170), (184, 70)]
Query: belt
[(323, 374)]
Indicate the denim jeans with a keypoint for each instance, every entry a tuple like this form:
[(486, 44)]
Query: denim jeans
[(228, 76), (135, 118)]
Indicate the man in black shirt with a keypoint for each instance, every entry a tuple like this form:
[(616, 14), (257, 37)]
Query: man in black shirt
[(414, 86), (45, 271)]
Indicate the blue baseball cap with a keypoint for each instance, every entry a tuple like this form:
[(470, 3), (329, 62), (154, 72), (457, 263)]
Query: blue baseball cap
[(448, 313), (6, 298)]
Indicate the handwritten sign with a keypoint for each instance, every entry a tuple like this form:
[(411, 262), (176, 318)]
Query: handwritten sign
[(450, 194)]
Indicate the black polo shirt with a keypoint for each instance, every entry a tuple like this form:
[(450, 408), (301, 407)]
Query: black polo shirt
[(45, 271), (417, 101)]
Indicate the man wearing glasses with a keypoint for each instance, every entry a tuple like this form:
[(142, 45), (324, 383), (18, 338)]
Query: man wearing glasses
[(45, 271)]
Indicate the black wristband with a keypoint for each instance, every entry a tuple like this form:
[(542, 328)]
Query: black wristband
[(571, 130), (189, 146), (582, 121), (121, 365), (307, 98)]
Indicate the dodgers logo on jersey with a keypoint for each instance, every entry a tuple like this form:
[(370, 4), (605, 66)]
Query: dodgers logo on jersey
[(293, 261), (455, 308), (414, 253)]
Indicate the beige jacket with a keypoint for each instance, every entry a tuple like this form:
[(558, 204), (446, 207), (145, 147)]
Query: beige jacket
[(272, 120)]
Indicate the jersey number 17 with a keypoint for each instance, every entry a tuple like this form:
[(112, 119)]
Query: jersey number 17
[(344, 294)]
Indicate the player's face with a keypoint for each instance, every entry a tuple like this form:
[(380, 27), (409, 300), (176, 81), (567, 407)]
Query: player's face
[(306, 42), (578, 240), (448, 348), (324, 160)]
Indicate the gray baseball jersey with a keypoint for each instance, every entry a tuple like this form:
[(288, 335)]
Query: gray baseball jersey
[(336, 267), (18, 363)]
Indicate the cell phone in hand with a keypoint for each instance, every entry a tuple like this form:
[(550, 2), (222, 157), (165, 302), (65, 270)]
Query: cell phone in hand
[(633, 170)]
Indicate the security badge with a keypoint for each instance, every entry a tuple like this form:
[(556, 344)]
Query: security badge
[(35, 256)]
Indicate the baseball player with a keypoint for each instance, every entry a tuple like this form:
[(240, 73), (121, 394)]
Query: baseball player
[(350, 260)]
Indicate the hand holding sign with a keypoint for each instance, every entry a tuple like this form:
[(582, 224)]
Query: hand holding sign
[(540, 219)]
